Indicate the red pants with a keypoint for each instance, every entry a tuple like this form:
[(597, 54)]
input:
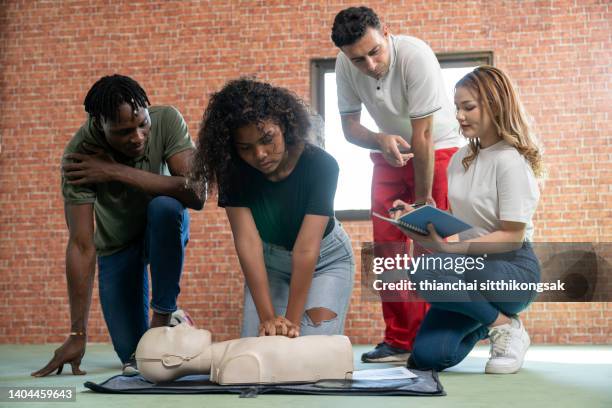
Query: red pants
[(403, 318)]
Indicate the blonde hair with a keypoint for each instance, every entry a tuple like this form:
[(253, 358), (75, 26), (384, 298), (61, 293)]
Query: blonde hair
[(498, 98)]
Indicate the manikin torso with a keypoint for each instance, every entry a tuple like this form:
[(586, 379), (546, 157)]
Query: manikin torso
[(167, 353)]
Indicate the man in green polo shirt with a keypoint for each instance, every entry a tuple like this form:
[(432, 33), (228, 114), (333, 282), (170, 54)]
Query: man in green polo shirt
[(126, 166)]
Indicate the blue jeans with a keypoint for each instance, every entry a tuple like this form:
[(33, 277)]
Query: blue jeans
[(123, 279), (457, 321), (331, 287)]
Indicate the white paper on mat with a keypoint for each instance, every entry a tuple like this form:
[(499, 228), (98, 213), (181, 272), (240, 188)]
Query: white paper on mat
[(393, 373)]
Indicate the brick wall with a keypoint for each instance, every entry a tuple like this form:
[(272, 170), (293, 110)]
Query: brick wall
[(558, 52)]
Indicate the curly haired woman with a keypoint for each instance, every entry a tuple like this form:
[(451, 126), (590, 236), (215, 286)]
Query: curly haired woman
[(278, 192)]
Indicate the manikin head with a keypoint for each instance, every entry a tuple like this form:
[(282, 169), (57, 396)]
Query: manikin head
[(165, 353)]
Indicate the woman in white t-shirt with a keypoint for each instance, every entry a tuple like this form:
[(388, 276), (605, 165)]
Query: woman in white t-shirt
[(492, 186)]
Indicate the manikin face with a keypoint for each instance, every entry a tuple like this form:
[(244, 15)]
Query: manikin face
[(163, 353), (473, 119), (182, 340), (129, 134), (261, 146), (370, 54)]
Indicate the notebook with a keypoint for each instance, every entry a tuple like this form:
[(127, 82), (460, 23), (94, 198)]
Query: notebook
[(445, 223)]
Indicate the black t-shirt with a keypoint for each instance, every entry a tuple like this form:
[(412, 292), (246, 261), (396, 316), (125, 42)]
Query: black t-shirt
[(279, 207)]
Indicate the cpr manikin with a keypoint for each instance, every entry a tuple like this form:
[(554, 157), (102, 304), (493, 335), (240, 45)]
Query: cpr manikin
[(167, 353)]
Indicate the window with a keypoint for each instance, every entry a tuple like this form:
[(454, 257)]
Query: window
[(353, 193)]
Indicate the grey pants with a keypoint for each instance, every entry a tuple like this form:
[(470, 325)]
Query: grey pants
[(331, 287)]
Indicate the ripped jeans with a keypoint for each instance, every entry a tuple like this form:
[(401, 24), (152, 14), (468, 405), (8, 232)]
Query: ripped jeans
[(331, 287)]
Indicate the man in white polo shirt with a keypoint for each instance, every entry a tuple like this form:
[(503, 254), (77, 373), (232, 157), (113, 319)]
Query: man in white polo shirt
[(399, 80)]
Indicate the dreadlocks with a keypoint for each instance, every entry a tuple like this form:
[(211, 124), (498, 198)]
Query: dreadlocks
[(110, 92)]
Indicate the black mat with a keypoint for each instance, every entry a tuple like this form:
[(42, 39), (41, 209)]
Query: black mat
[(426, 384)]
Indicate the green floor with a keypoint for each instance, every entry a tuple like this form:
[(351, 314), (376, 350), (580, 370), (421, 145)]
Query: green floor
[(555, 376)]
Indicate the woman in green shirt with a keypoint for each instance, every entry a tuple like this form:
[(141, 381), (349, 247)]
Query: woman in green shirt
[(278, 191)]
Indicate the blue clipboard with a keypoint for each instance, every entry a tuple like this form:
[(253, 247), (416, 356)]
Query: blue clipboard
[(445, 223)]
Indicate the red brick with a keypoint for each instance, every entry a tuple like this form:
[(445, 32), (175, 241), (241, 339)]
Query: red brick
[(52, 52)]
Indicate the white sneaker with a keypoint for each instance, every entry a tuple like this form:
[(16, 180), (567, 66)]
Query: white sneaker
[(180, 316), (509, 343), (130, 368)]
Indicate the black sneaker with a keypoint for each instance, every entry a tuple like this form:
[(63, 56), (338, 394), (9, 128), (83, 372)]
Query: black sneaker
[(385, 353), (129, 368)]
